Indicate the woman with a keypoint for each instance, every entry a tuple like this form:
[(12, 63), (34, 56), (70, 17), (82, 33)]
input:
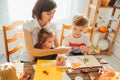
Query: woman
[(42, 14)]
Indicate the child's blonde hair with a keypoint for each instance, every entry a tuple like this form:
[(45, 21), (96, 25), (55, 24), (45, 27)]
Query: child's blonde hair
[(80, 20)]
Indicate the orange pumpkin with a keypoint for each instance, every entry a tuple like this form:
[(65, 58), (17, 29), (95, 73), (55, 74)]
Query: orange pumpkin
[(104, 3), (103, 29), (107, 75), (116, 77)]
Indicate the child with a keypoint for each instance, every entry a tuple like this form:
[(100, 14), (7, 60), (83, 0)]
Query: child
[(78, 40), (46, 41)]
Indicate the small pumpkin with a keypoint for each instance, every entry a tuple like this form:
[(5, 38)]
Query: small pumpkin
[(104, 3), (8, 72), (103, 29), (116, 77), (107, 75)]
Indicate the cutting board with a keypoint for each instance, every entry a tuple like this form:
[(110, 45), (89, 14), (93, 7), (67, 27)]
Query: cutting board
[(46, 70)]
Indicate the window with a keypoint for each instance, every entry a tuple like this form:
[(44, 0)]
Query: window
[(63, 10), (20, 9)]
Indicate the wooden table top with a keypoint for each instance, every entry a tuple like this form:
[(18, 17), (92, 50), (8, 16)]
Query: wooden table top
[(28, 68)]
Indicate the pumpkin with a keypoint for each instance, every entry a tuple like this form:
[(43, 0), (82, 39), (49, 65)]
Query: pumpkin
[(116, 77), (104, 3), (107, 75), (103, 29), (8, 72)]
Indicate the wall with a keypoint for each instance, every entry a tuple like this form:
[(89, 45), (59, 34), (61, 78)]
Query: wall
[(4, 19), (4, 14)]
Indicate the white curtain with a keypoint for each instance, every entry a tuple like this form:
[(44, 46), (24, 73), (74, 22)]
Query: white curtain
[(66, 9), (22, 9)]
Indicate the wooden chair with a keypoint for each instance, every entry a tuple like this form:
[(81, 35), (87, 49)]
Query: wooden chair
[(15, 37), (64, 27)]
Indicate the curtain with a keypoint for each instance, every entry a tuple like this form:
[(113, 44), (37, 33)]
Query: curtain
[(22, 9)]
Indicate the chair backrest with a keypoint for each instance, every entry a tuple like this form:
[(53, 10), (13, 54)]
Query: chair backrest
[(64, 27), (15, 37)]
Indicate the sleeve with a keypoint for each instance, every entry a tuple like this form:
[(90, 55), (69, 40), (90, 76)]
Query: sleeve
[(27, 26), (31, 25)]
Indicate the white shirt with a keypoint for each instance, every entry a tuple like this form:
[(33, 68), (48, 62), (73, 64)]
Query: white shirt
[(34, 27), (83, 39)]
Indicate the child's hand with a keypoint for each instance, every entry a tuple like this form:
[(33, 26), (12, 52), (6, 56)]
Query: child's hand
[(83, 49)]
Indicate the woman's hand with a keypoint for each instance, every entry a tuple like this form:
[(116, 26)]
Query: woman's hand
[(64, 50), (60, 61)]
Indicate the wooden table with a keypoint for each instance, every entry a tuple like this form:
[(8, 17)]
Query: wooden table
[(88, 73), (28, 68), (91, 72)]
